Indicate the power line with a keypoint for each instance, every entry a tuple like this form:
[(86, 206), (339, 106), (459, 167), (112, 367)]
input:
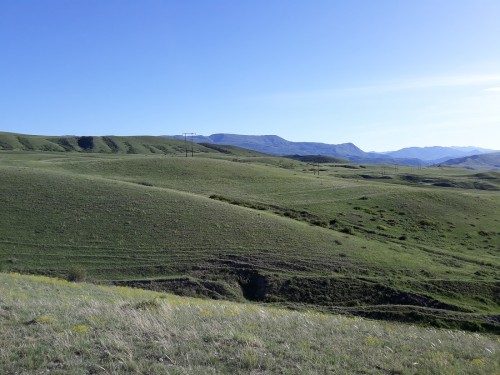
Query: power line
[(192, 143)]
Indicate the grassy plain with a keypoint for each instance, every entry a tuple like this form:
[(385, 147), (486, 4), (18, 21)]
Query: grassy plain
[(387, 242), (53, 326)]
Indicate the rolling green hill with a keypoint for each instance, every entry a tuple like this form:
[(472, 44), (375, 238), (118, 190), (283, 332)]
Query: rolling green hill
[(317, 159), (112, 145), (384, 242)]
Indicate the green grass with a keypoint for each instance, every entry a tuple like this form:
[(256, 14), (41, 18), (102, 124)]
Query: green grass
[(111, 145), (401, 207), (388, 246), (53, 326)]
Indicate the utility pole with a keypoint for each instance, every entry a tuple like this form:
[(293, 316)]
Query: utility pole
[(315, 167), (192, 143)]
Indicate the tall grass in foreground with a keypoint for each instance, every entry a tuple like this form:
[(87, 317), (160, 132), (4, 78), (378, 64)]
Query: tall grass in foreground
[(53, 326)]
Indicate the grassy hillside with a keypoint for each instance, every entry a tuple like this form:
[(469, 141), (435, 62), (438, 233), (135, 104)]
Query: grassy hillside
[(317, 159), (108, 145), (52, 326), (377, 206), (385, 242)]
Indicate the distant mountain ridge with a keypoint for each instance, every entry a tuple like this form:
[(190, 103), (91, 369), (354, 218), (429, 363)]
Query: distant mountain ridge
[(275, 145), (437, 154), (489, 161), (239, 144)]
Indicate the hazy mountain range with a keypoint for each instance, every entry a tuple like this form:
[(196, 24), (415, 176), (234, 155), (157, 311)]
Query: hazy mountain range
[(467, 157), (437, 154), (274, 145), (490, 161)]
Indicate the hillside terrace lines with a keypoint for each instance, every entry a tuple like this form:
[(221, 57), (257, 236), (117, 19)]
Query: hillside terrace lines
[(174, 250), (313, 262)]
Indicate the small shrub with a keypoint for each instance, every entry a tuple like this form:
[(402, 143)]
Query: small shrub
[(320, 223), (77, 273), (427, 223), (290, 214), (347, 230)]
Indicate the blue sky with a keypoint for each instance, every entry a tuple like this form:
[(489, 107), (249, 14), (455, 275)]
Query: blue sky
[(382, 74)]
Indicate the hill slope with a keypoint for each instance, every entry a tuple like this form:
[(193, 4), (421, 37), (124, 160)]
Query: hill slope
[(111, 145), (232, 228), (51, 326)]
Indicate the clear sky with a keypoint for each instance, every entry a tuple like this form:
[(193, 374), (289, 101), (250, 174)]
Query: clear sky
[(383, 74)]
